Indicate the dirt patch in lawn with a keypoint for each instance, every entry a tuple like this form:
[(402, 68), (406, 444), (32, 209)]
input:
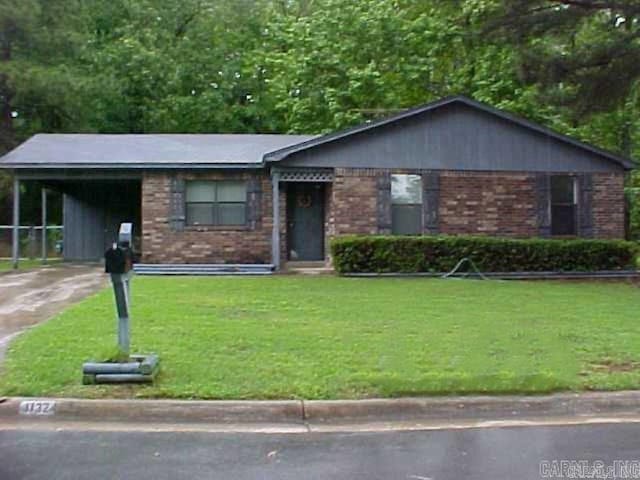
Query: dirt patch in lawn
[(613, 366)]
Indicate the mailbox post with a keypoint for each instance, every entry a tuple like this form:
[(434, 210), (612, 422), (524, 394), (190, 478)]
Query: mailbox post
[(119, 263), (131, 368)]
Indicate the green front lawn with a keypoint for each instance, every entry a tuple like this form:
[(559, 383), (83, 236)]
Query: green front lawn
[(329, 337)]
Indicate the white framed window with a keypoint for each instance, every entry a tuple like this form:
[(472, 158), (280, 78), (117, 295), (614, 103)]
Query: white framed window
[(216, 202), (564, 205), (406, 204)]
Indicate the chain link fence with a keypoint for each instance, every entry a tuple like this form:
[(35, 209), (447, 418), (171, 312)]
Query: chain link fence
[(30, 238)]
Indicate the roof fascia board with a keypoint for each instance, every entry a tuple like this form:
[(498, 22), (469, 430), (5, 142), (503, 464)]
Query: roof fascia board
[(126, 166), (76, 175)]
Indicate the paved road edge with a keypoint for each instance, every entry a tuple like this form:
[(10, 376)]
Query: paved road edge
[(321, 412)]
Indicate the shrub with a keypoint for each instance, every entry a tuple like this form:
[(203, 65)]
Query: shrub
[(411, 254)]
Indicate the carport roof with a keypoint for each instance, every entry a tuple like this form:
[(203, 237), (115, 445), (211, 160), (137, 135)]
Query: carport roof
[(145, 150)]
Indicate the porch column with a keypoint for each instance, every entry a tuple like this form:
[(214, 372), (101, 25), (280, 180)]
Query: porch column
[(275, 233), (44, 225), (15, 254)]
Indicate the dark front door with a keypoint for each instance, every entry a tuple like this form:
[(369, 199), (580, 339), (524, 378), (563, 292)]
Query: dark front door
[(305, 214)]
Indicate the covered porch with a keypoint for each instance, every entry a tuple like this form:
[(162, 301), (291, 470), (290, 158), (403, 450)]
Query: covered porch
[(301, 216)]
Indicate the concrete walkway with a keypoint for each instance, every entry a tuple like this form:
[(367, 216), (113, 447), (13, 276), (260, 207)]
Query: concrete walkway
[(30, 297)]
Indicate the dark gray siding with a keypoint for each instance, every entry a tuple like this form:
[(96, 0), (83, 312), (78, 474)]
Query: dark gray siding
[(93, 212), (454, 137), (84, 226)]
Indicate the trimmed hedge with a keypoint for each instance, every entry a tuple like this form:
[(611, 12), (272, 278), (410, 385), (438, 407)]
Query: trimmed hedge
[(411, 254)]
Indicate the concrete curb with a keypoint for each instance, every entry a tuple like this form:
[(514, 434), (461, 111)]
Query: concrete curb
[(473, 408), (160, 411), (321, 412)]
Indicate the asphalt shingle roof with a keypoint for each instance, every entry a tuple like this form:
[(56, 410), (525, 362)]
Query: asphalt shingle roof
[(145, 150), (222, 150)]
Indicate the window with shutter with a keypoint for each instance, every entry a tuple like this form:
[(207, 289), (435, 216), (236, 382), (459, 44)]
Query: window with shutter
[(216, 203), (564, 203), (406, 204)]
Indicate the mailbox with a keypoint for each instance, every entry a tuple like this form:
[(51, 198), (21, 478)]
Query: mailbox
[(125, 235), (118, 260)]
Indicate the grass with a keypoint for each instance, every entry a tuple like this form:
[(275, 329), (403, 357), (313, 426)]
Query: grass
[(7, 264), (328, 337)]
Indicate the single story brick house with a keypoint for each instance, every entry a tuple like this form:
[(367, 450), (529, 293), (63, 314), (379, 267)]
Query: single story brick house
[(454, 166)]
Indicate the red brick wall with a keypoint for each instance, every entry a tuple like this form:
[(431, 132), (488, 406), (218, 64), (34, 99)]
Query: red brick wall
[(202, 244), (488, 203), (480, 203), (608, 205), (354, 198)]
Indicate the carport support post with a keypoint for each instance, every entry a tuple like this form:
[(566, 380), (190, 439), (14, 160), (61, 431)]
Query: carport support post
[(275, 233), (44, 225), (15, 254)]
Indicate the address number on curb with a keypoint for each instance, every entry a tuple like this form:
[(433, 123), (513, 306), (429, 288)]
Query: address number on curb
[(37, 407)]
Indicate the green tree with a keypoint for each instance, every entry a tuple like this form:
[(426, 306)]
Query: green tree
[(340, 62), (582, 57), (583, 52), (41, 89), (175, 66)]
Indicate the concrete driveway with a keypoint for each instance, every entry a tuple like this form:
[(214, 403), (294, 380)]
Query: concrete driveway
[(30, 297)]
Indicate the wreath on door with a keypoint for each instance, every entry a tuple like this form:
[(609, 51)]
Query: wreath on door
[(303, 200)]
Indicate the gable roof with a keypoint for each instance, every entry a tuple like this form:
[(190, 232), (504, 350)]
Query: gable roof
[(315, 142), (145, 150), (96, 151)]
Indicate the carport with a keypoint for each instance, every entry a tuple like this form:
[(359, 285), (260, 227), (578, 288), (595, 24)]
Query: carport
[(94, 204), (103, 178), (100, 179)]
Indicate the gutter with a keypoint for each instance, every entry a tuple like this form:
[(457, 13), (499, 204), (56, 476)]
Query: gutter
[(128, 166)]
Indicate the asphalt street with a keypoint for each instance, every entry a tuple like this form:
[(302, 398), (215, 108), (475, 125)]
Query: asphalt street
[(480, 453)]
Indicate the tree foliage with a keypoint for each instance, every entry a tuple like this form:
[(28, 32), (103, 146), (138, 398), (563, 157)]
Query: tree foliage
[(343, 62), (176, 66), (582, 57), (583, 52)]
